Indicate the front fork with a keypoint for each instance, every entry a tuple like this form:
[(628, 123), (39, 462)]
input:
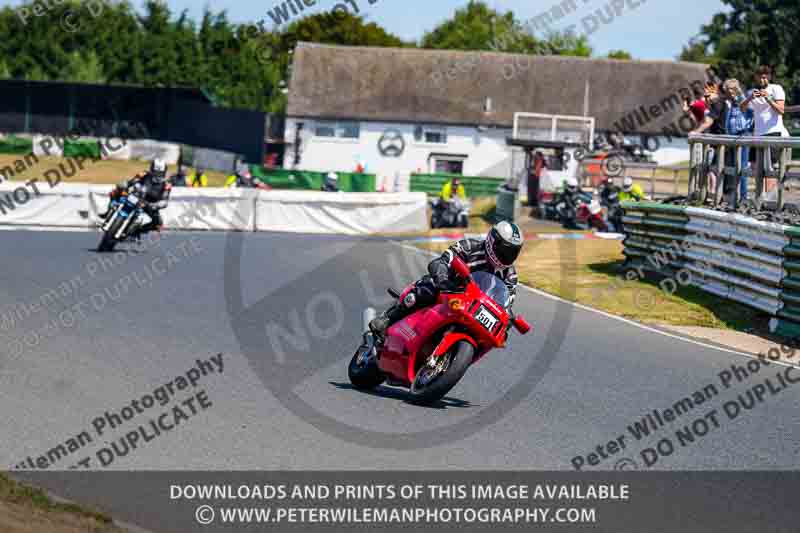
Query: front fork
[(369, 349)]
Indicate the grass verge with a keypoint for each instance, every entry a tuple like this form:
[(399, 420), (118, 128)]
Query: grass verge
[(591, 275), (107, 171), (25, 509)]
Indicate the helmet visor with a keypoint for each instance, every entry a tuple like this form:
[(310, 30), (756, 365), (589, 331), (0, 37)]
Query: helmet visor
[(506, 252)]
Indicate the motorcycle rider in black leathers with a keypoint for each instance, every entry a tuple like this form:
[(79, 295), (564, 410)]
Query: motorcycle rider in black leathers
[(495, 254), (609, 198), (153, 188), (607, 191), (567, 204)]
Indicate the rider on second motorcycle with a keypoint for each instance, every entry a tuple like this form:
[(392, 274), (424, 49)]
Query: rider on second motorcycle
[(567, 204), (154, 190), (496, 255)]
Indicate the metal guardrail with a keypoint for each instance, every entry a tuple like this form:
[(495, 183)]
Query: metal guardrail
[(700, 165), (736, 257), (733, 256), (659, 181)]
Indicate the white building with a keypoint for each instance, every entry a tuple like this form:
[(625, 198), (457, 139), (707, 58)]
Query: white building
[(404, 110)]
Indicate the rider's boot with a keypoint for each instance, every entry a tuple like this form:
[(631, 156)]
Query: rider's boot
[(381, 323), (378, 327)]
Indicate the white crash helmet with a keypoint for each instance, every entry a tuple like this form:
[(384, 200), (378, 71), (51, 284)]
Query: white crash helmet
[(503, 244), (158, 169), (627, 183), (571, 183), (332, 177)]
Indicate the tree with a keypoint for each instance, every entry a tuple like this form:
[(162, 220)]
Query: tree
[(478, 27), (158, 53), (337, 28), (85, 68), (619, 54), (4, 72), (567, 44), (749, 34), (36, 74)]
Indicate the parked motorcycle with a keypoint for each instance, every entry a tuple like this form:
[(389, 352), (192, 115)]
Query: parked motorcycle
[(430, 350), (591, 214), (559, 210), (123, 217), (452, 214)]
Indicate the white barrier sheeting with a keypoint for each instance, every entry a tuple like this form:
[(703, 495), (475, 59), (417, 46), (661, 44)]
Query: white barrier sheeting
[(54, 206), (341, 213), (116, 149), (52, 146), (211, 209), (148, 150), (195, 209), (225, 209)]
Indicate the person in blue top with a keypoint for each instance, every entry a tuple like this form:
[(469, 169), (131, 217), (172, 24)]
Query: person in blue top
[(738, 122)]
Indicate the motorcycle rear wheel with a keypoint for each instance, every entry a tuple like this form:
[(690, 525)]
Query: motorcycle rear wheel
[(363, 372), (428, 389)]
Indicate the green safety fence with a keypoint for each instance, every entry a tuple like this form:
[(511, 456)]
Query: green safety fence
[(473, 185), (311, 180), (86, 149), (16, 145), (736, 257), (653, 228), (788, 323)]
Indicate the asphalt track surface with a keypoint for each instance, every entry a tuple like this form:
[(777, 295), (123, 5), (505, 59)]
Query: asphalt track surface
[(597, 378)]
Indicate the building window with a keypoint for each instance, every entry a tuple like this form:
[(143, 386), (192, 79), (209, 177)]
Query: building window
[(430, 134), (449, 167), (338, 129), (447, 163), (325, 129)]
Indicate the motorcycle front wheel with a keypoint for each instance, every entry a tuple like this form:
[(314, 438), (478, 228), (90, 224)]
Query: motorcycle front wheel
[(108, 241), (438, 376), (363, 369)]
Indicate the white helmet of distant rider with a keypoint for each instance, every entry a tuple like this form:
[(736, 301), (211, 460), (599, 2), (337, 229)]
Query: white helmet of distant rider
[(158, 169), (572, 184), (627, 183)]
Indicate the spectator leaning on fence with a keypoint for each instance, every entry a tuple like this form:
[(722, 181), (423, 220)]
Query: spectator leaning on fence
[(739, 122), (713, 123), (696, 109), (767, 101)]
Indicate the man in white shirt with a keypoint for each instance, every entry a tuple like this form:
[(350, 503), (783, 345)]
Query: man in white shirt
[(768, 102)]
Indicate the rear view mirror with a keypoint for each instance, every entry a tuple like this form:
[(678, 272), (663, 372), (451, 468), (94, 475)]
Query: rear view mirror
[(459, 267), (521, 324)]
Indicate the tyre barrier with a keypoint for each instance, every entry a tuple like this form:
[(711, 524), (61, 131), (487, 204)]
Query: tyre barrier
[(733, 256)]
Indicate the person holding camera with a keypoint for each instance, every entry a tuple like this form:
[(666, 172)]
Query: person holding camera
[(768, 102)]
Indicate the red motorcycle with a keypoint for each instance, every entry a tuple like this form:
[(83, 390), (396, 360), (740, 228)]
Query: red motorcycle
[(430, 350)]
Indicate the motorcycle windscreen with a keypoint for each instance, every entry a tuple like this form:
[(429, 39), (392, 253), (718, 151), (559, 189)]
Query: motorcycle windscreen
[(493, 287)]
